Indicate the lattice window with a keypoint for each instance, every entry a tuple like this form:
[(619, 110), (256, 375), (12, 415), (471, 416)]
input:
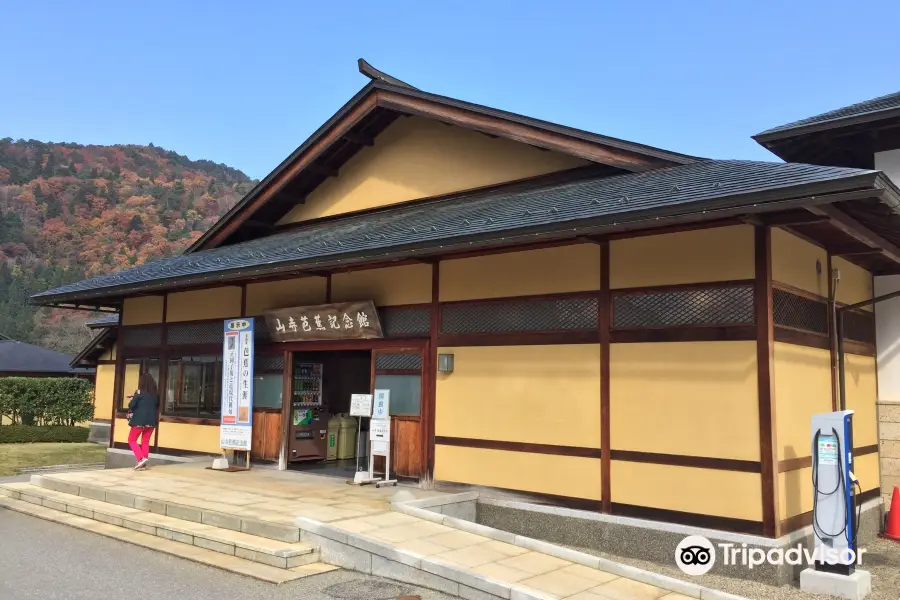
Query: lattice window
[(859, 326), (142, 336), (405, 322), (261, 333), (732, 305), (507, 316), (268, 364), (798, 312), (398, 362), (188, 334)]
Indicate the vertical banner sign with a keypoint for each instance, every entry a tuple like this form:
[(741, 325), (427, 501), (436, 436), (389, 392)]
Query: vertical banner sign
[(237, 385)]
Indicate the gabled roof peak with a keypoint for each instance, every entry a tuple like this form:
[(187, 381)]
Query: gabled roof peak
[(375, 75)]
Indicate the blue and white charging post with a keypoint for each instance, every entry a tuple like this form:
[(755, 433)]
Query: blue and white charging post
[(835, 518)]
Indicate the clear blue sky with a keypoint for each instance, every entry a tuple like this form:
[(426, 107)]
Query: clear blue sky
[(245, 83)]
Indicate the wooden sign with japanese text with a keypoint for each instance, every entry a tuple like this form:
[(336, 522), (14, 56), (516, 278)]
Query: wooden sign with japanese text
[(344, 321)]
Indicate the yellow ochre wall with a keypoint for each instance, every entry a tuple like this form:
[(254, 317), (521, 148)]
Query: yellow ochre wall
[(104, 388), (687, 489), (562, 269), (184, 436), (132, 374), (303, 291), (142, 310), (855, 284), (794, 263), (802, 382), (719, 254), (213, 303), (525, 471), (795, 492), (689, 398), (802, 389), (861, 383), (120, 435), (417, 158), (535, 394), (110, 354), (531, 394), (407, 284)]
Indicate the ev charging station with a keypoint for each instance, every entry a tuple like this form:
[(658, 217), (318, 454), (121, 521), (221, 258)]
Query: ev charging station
[(835, 519)]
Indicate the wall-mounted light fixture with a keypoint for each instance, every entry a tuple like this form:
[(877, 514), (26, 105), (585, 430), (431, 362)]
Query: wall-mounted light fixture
[(445, 363)]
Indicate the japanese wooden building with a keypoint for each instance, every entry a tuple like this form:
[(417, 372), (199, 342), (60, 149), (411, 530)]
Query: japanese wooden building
[(634, 331)]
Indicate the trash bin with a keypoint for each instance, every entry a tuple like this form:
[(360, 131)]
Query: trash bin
[(334, 425), (347, 438)]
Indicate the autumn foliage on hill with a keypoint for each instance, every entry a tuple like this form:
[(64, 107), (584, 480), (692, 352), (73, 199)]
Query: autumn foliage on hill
[(69, 211)]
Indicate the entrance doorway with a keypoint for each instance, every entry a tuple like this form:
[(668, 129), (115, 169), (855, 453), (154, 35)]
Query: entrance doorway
[(319, 435)]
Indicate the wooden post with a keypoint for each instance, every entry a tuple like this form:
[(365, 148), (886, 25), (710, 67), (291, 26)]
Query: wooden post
[(287, 408), (162, 384), (765, 358), (604, 318), (430, 362)]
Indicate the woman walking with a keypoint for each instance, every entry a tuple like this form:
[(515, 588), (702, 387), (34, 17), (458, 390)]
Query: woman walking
[(143, 418)]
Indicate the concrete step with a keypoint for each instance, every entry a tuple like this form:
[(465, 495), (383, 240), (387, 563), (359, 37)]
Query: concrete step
[(197, 554), (274, 553), (256, 527)]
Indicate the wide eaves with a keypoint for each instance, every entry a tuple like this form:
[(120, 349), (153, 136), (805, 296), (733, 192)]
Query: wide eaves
[(693, 192)]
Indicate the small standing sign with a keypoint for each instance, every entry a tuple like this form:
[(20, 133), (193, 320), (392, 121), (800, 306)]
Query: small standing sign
[(360, 406), (236, 424), (379, 434)]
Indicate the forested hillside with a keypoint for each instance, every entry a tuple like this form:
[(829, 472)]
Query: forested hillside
[(69, 211)]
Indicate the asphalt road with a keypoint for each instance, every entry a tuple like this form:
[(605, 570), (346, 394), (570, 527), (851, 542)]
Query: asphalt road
[(47, 561)]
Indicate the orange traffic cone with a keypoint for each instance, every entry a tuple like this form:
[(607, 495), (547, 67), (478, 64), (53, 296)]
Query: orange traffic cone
[(892, 531)]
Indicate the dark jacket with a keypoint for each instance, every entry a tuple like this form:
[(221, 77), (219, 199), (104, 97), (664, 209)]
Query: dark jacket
[(144, 410)]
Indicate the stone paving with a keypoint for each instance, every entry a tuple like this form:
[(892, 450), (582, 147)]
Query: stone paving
[(283, 497)]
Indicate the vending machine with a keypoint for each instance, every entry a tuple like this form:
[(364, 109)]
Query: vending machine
[(309, 417)]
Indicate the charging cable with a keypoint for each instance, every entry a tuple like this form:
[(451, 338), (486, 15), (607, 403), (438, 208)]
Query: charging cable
[(841, 485)]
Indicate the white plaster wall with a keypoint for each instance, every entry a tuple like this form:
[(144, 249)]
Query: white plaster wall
[(889, 162), (887, 339)]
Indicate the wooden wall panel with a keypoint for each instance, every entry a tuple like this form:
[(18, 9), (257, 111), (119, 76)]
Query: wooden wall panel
[(266, 440)]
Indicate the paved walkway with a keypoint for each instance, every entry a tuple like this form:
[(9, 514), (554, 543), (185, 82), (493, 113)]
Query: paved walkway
[(54, 562), (283, 497)]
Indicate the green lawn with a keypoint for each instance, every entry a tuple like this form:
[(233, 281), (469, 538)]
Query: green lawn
[(20, 456)]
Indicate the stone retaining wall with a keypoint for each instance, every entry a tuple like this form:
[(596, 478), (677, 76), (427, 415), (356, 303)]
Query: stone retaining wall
[(889, 435)]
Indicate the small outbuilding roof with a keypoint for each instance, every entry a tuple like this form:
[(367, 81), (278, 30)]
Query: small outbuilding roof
[(876, 108), (19, 357), (104, 321)]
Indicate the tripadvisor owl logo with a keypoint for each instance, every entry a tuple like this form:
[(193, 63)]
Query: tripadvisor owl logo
[(695, 555)]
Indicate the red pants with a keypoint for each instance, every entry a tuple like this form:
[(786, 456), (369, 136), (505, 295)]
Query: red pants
[(143, 451)]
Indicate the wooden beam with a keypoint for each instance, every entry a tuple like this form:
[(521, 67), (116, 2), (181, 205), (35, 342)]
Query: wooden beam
[(844, 222), (799, 218), (322, 169), (254, 224), (859, 252), (359, 138), (315, 150), (526, 134)]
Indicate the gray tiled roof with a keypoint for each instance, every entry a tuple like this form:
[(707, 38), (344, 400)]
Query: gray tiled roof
[(26, 358), (476, 217), (104, 321), (875, 105)]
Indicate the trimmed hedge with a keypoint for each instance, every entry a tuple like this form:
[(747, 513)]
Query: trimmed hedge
[(25, 434), (46, 400)]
